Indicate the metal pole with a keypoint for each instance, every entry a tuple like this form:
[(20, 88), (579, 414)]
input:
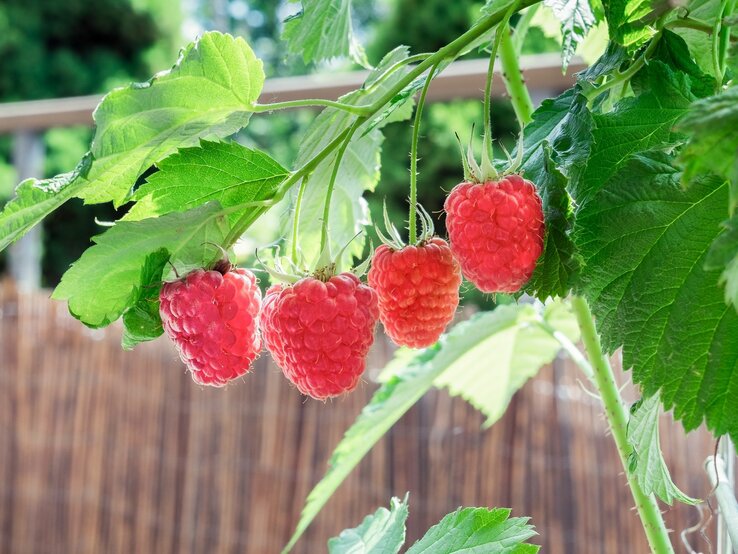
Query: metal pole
[(24, 256)]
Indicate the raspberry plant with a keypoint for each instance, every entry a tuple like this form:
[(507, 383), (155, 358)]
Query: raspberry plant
[(629, 191)]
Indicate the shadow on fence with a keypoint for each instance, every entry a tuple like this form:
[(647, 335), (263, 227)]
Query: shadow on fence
[(120, 452)]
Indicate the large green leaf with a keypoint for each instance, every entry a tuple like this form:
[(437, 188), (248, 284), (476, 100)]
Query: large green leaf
[(576, 19), (646, 460), (382, 532), (210, 92), (469, 530), (107, 279), (472, 344), (635, 124), (644, 240), (358, 172), (226, 172), (712, 124), (323, 30)]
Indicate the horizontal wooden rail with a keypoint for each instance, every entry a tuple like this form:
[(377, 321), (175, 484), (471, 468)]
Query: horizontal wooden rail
[(462, 79)]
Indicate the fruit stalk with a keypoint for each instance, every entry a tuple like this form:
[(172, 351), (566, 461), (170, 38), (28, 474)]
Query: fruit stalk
[(617, 419), (519, 95), (412, 218)]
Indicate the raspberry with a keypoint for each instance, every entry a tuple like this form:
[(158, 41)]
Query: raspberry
[(325, 330), (272, 337), (213, 319), (496, 231), (418, 289)]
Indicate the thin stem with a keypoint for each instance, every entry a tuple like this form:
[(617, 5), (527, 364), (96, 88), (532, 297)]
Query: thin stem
[(310, 103), (394, 67), (617, 419), (717, 64), (689, 23), (332, 182), (724, 38), (571, 349), (627, 75), (487, 154), (296, 217), (451, 50), (519, 95), (412, 218)]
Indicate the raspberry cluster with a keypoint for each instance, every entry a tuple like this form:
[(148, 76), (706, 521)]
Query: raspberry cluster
[(496, 230), (418, 289), (212, 318)]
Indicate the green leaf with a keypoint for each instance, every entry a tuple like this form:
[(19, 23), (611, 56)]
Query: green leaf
[(635, 124), (627, 21), (322, 31), (723, 256), (210, 92), (107, 279), (644, 240), (700, 43), (712, 124), (650, 468), (380, 533), (228, 173), (672, 50), (358, 173), (488, 376), (34, 200), (468, 344), (576, 19), (557, 265), (478, 530), (142, 321)]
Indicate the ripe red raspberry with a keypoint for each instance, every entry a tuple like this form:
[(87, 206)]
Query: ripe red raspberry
[(418, 289), (213, 319), (326, 330), (272, 337), (496, 231)]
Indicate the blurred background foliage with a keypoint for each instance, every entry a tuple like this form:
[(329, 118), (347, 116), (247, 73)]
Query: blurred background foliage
[(54, 49)]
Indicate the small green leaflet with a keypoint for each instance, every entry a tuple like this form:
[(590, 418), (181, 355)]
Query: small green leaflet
[(557, 143), (229, 173), (576, 19), (468, 344), (627, 21), (382, 532), (322, 31), (723, 256), (712, 124), (210, 92), (646, 460), (108, 278), (635, 124), (644, 246), (556, 265), (487, 377), (34, 200), (141, 321), (358, 173), (672, 50), (465, 530), (470, 530)]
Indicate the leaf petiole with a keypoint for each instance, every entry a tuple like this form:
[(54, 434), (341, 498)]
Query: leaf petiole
[(310, 103)]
